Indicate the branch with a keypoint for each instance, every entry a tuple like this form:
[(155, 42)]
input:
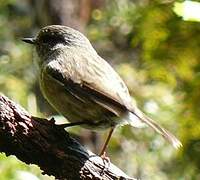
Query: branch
[(39, 141)]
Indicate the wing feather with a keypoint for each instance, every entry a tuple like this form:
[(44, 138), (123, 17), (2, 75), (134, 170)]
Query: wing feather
[(102, 86)]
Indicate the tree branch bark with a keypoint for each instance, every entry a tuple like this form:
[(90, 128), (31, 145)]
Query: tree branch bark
[(39, 141)]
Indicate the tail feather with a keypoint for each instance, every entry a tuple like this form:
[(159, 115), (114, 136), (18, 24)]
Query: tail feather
[(166, 134)]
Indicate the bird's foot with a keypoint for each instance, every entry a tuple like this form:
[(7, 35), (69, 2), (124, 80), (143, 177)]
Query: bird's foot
[(106, 159)]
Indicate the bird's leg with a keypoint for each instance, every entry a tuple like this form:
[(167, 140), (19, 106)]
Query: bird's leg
[(102, 153), (71, 124)]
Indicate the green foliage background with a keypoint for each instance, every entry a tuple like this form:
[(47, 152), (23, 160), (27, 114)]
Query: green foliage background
[(156, 53)]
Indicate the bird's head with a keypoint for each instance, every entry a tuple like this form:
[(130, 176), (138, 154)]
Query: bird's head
[(54, 37)]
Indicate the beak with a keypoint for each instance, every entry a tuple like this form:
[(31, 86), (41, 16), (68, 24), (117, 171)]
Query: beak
[(29, 40)]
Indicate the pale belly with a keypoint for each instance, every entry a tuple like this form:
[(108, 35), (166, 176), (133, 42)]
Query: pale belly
[(75, 109)]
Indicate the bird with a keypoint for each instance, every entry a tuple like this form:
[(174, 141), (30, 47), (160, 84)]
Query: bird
[(83, 87)]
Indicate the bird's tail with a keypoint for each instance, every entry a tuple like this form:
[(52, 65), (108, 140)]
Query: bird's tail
[(148, 121)]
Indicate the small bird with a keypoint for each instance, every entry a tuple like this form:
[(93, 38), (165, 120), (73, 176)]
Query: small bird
[(82, 86)]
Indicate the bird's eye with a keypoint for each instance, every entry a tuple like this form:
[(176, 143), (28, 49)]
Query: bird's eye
[(51, 39), (46, 39)]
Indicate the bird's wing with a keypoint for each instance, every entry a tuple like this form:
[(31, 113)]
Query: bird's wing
[(96, 81), (102, 79)]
